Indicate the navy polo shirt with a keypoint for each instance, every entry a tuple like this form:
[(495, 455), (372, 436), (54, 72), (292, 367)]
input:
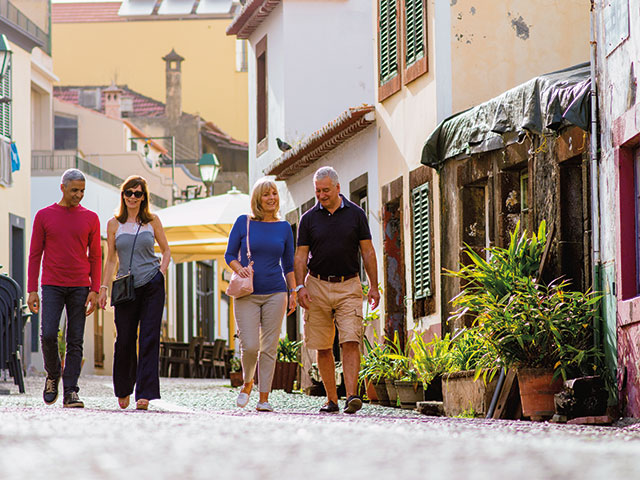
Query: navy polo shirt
[(334, 238)]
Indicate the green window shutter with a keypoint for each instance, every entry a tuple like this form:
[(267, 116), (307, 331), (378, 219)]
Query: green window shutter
[(5, 107), (421, 242), (414, 30), (388, 22)]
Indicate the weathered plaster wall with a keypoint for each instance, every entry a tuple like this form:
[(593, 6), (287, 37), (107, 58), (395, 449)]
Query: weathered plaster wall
[(498, 45)]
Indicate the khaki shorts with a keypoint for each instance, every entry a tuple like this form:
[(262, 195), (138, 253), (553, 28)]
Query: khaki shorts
[(333, 305)]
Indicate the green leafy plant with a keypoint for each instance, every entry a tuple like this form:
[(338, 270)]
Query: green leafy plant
[(401, 366), (288, 350), (235, 365), (523, 322), (470, 351), (430, 359), (375, 365)]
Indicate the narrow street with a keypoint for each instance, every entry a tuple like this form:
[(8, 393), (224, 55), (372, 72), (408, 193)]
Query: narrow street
[(195, 432)]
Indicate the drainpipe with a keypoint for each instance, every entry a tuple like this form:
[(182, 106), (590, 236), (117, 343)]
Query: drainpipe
[(595, 198)]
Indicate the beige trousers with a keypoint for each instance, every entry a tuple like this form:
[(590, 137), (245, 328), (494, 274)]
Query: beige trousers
[(259, 320)]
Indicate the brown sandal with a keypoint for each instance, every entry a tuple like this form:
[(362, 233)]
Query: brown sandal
[(123, 402), (142, 404)]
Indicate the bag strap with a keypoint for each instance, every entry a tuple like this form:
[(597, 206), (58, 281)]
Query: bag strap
[(133, 247), (248, 247)]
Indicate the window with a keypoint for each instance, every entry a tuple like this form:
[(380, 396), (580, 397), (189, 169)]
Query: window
[(402, 45), (241, 55), (6, 94), (388, 35), (415, 40), (261, 96), (421, 242), (65, 132)]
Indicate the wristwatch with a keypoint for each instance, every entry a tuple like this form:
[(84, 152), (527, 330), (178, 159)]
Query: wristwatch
[(297, 289)]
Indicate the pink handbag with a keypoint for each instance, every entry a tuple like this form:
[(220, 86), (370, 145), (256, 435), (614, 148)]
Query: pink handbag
[(241, 286)]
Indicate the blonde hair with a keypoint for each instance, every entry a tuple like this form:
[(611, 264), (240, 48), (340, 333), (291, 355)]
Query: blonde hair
[(263, 185)]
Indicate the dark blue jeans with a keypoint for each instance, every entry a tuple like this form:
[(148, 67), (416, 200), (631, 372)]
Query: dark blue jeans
[(139, 368), (54, 299)]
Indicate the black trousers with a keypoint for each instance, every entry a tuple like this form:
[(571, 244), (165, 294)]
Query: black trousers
[(54, 299), (139, 368)]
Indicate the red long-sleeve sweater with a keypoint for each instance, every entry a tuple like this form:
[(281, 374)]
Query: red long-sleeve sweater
[(65, 235)]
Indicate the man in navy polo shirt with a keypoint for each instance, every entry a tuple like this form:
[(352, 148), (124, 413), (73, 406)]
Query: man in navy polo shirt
[(329, 289)]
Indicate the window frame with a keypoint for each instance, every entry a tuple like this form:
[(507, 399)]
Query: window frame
[(420, 66), (262, 100), (406, 73), (55, 129), (422, 287), (6, 108)]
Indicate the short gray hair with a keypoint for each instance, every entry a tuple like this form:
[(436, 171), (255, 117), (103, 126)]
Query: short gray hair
[(324, 172), (71, 175)]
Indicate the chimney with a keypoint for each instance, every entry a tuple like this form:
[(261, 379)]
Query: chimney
[(112, 101), (174, 86)]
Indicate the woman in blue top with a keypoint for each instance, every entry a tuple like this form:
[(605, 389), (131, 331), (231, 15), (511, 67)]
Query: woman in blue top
[(259, 315)]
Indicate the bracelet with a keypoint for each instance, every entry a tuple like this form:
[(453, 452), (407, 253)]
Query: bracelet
[(104, 286)]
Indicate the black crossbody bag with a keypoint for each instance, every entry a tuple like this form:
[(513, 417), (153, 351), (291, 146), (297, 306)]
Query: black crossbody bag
[(122, 290)]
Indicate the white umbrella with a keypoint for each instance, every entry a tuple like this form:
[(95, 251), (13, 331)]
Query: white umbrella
[(199, 229)]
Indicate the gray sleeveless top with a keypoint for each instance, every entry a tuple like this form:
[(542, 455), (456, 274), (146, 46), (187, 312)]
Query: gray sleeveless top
[(145, 264)]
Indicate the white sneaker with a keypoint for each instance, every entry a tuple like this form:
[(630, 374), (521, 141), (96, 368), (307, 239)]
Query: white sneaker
[(242, 400), (264, 407)]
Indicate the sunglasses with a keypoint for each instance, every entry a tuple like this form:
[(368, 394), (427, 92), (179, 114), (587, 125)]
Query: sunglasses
[(130, 193)]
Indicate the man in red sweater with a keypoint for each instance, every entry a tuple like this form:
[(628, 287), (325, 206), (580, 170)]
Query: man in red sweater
[(64, 232)]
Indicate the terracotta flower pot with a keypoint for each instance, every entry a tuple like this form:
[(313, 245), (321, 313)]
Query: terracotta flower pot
[(371, 391), (236, 379), (536, 392)]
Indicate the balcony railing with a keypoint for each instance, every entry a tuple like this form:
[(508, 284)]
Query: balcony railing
[(24, 23), (43, 163)]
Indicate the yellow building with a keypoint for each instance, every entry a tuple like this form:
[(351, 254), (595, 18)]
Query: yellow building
[(26, 122), (94, 43)]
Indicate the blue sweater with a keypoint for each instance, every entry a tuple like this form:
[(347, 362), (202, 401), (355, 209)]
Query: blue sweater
[(271, 251)]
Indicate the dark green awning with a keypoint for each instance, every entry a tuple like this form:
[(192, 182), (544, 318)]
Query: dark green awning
[(542, 105)]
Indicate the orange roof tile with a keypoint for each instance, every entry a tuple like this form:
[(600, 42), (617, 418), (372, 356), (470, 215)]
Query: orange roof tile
[(251, 16), (322, 142), (85, 12)]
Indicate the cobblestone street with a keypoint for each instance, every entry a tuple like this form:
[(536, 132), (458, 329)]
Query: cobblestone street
[(196, 432)]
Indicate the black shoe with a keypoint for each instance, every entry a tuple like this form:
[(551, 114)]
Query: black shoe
[(71, 400), (354, 403), (50, 394), (330, 407)]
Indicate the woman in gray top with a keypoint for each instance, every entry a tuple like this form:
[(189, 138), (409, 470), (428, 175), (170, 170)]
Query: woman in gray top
[(136, 227)]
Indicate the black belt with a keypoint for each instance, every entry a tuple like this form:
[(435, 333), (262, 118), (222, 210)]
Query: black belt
[(333, 278)]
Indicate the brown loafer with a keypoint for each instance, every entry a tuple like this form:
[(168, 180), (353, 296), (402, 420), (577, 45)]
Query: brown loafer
[(123, 402), (142, 404)]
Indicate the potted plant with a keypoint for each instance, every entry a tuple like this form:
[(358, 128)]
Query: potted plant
[(431, 360), (287, 364), (235, 372), (373, 367), (545, 331), (463, 390), (401, 380)]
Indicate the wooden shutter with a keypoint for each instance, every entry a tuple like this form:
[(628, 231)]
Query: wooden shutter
[(5, 108), (388, 46), (414, 58), (421, 242), (414, 33)]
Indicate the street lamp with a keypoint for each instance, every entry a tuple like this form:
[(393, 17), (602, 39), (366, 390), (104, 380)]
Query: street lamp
[(5, 60), (209, 167)]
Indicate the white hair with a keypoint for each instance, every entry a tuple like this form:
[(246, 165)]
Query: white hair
[(326, 172), (71, 175)]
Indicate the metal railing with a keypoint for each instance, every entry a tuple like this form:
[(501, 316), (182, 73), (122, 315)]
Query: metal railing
[(15, 16), (43, 162)]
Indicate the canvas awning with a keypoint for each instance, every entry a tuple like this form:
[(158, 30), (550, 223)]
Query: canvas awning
[(542, 105), (199, 229)]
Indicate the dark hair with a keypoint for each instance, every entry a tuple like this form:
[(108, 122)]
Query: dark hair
[(144, 215)]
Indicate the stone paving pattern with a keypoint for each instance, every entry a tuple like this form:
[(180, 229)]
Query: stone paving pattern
[(196, 432)]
